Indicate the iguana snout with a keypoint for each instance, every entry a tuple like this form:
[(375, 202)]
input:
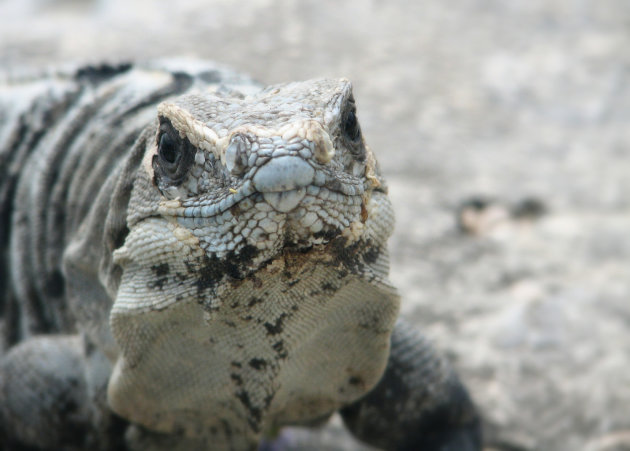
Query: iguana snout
[(239, 172), (283, 181)]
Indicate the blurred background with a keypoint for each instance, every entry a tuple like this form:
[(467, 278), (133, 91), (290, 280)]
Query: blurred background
[(502, 128)]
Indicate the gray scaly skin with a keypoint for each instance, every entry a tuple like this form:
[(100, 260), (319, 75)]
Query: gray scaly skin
[(190, 261)]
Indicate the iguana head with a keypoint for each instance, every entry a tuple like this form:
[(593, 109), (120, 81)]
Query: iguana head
[(244, 179), (287, 167)]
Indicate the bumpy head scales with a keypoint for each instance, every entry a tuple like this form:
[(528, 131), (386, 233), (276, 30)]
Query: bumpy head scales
[(286, 166)]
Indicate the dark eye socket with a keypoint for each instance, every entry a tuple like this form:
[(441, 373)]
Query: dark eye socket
[(351, 126), (168, 149), (174, 157)]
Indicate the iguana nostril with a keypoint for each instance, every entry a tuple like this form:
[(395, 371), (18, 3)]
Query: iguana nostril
[(236, 155)]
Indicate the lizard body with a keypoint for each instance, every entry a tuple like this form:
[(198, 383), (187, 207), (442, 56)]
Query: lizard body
[(197, 260)]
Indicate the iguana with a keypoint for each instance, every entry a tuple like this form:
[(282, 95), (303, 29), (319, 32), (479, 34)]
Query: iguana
[(192, 261)]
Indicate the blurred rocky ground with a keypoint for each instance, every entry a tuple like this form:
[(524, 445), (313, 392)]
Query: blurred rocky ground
[(502, 127)]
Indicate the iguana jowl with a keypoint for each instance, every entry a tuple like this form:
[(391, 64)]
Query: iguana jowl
[(207, 259)]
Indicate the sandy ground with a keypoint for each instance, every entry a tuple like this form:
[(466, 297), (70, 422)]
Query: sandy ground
[(506, 101)]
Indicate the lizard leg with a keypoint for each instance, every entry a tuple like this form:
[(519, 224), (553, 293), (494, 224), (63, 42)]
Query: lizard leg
[(419, 404), (47, 400)]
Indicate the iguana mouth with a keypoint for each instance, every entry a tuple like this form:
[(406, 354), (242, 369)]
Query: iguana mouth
[(284, 182), (206, 206), (282, 201), (251, 218), (285, 201)]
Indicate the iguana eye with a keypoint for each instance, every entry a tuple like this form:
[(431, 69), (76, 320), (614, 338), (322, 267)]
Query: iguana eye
[(351, 131), (351, 128), (168, 149), (174, 157)]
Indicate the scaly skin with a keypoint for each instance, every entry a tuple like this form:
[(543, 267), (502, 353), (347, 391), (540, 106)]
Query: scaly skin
[(224, 265)]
